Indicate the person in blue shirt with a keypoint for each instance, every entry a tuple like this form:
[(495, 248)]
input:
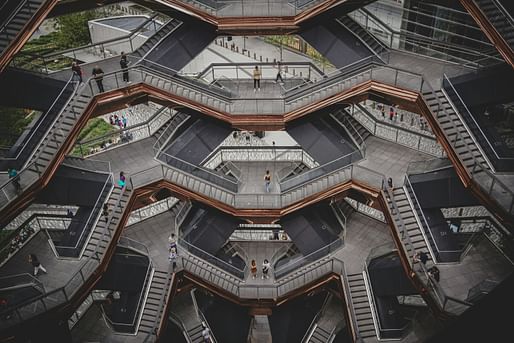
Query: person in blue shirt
[(121, 181), (13, 174)]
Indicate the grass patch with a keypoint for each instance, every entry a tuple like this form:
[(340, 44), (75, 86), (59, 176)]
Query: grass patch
[(12, 123), (95, 128)]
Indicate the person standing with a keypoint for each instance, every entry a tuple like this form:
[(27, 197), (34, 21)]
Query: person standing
[(121, 181), (279, 72), (98, 74), (173, 257), (267, 181), (265, 269), (172, 241), (253, 269), (391, 113), (124, 67), (77, 71), (124, 121), (256, 79), (36, 264)]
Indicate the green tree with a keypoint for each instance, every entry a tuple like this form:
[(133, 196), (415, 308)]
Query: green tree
[(72, 29)]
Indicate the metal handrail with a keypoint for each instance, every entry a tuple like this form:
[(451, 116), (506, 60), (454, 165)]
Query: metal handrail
[(25, 276), (381, 23), (184, 80), (283, 150), (313, 325), (233, 185), (415, 39), (361, 144), (94, 259), (364, 111), (375, 309), (186, 246), (356, 66), (476, 164), (286, 184), (202, 317), (276, 290), (130, 243), (13, 14), (108, 181), (425, 221), (402, 230), (283, 64), (349, 305), (143, 123), (500, 8), (138, 313), (112, 40), (462, 103), (363, 41), (36, 129), (159, 143), (295, 264), (26, 169)]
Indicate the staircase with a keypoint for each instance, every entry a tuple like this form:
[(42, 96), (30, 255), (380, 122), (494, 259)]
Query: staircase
[(153, 41), (104, 232), (211, 273), (209, 6), (455, 130), (361, 306), (353, 128), (327, 322), (47, 149), (296, 169), (342, 210), (499, 18), (152, 311), (358, 128), (413, 239), (323, 89), (366, 38), (185, 90), (167, 130), (228, 168), (65, 122), (260, 331), (183, 309), (319, 335), (14, 24)]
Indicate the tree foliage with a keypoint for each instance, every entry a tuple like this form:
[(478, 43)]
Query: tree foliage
[(12, 123), (72, 29)]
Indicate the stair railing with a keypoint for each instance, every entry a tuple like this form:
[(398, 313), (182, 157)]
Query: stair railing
[(202, 317), (36, 305), (123, 136), (393, 39), (314, 323), (69, 85), (41, 62), (403, 136), (18, 8)]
